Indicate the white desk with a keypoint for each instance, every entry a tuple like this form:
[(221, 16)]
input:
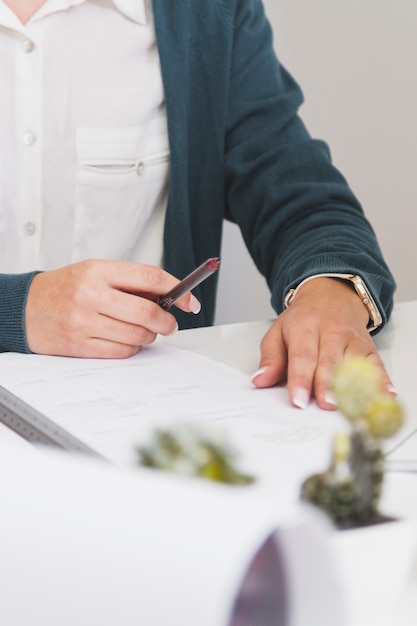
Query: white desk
[(238, 345)]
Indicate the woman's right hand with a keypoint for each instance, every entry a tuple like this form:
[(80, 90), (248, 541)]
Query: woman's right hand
[(94, 309)]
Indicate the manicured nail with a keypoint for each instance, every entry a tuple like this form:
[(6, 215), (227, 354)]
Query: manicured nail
[(175, 329), (329, 398), (391, 389), (194, 304), (301, 398), (258, 372)]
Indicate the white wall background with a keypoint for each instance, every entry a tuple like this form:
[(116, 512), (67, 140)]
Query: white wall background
[(356, 61)]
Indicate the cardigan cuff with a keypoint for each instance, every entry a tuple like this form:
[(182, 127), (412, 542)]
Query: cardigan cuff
[(13, 295)]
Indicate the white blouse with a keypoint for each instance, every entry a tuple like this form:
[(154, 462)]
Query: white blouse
[(84, 155)]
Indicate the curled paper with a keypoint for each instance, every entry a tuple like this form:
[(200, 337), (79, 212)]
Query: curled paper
[(84, 543)]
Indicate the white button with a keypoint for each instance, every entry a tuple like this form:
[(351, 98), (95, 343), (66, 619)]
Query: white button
[(29, 138), (140, 168), (29, 228), (28, 46)]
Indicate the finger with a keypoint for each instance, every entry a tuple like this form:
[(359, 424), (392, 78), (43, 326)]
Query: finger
[(303, 353), (374, 357), (334, 346), (95, 348), (189, 303), (151, 282), (137, 312), (140, 279), (331, 350), (273, 361), (115, 331)]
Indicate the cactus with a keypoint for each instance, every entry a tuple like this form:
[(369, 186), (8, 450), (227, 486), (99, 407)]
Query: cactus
[(333, 490), (350, 489)]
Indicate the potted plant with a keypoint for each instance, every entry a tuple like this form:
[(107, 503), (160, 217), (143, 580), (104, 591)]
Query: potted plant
[(350, 489), (374, 551)]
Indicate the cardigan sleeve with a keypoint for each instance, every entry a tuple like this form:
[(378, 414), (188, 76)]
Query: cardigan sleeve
[(296, 211), (13, 294)]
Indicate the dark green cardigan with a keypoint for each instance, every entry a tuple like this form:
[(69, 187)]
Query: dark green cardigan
[(239, 151)]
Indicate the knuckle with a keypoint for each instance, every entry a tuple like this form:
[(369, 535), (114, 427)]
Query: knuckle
[(145, 310), (89, 268), (154, 277), (78, 293), (137, 335), (123, 351), (328, 360), (74, 321), (304, 353)]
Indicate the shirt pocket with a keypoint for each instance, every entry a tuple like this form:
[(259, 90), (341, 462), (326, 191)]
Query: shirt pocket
[(121, 178)]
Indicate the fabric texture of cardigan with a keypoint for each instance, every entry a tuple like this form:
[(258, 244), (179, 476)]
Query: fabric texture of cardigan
[(239, 151)]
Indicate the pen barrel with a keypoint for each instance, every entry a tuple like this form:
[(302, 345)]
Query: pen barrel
[(165, 302), (189, 282)]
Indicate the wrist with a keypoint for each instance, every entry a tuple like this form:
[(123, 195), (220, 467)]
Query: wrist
[(355, 283)]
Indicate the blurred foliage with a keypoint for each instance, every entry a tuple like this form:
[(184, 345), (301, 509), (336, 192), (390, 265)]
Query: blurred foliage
[(186, 450)]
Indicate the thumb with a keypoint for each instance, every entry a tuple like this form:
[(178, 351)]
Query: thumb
[(273, 362)]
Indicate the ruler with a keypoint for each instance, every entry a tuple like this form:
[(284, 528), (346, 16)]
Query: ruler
[(32, 425)]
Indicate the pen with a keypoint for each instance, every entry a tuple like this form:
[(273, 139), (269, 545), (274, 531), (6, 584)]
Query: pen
[(189, 282)]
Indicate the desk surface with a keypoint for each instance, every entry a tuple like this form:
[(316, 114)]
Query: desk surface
[(238, 345)]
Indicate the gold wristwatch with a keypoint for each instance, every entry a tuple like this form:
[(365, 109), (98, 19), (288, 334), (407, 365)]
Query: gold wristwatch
[(375, 317)]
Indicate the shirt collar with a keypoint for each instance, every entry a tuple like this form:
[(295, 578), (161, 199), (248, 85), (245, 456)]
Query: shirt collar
[(133, 9)]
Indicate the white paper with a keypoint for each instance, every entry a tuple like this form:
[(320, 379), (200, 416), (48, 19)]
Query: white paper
[(84, 543), (114, 405)]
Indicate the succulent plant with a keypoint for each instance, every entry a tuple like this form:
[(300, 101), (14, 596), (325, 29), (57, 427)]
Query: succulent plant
[(186, 450), (334, 489), (349, 490), (361, 398)]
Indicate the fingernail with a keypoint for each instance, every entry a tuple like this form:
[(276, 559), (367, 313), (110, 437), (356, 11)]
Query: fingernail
[(391, 389), (301, 398), (258, 372), (175, 329), (194, 304), (329, 398)]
